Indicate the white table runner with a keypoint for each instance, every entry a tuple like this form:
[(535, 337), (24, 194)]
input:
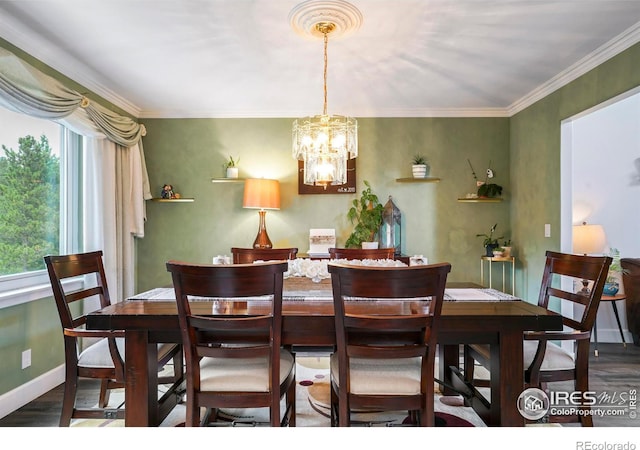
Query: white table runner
[(456, 294)]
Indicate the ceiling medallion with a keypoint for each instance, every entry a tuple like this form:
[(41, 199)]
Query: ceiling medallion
[(345, 17)]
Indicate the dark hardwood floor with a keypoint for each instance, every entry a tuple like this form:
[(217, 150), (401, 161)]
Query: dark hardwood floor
[(617, 369)]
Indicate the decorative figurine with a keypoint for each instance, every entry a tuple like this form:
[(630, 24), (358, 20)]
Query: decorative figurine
[(167, 191)]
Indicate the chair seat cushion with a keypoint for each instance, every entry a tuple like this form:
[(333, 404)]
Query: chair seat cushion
[(381, 376), (98, 355), (241, 374), (555, 357)]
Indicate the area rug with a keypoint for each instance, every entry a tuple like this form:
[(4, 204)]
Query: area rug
[(312, 406)]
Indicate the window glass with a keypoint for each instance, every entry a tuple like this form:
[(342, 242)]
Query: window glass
[(32, 159)]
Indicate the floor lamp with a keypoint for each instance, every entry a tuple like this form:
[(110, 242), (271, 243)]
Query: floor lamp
[(588, 239), (262, 194)]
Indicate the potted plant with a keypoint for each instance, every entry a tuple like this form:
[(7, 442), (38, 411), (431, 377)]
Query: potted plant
[(420, 167), (490, 243), (506, 248), (366, 214), (231, 166), (489, 190)]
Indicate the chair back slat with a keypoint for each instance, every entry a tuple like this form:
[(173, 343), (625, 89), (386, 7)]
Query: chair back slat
[(231, 352), (361, 253), (85, 293), (249, 255)]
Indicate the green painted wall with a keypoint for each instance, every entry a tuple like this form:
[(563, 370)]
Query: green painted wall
[(535, 160), (33, 325), (187, 153)]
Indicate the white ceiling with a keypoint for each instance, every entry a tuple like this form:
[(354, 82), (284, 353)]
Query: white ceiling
[(242, 58)]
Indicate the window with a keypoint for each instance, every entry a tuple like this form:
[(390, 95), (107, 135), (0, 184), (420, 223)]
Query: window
[(40, 175)]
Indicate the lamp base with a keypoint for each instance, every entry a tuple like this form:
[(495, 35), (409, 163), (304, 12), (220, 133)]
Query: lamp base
[(262, 239)]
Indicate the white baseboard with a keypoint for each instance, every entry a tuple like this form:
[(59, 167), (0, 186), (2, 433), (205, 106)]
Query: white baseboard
[(612, 335), (31, 390)]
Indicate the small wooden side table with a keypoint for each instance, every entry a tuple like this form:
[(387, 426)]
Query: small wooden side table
[(613, 299), (504, 260)]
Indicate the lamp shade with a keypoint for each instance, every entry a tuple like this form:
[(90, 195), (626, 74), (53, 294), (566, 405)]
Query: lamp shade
[(588, 239), (261, 193)]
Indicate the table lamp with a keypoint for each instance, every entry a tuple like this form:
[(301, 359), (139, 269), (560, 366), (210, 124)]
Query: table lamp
[(588, 239), (261, 193)]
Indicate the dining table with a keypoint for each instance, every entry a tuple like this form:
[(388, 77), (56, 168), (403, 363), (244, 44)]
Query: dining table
[(470, 314)]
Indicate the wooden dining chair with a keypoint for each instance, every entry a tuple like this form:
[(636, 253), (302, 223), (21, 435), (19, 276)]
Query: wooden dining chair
[(361, 253), (234, 361), (248, 255), (81, 278), (544, 360), (385, 359)]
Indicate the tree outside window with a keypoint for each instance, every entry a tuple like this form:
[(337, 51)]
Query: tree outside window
[(29, 205)]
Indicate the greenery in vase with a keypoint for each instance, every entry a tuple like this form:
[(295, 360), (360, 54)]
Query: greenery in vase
[(615, 269), (366, 214)]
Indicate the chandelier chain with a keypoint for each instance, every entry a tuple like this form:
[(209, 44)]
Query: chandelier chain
[(326, 41)]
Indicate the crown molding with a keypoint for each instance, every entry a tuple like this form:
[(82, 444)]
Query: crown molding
[(261, 114), (607, 51)]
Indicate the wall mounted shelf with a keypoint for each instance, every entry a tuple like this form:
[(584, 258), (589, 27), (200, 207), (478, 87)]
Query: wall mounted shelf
[(227, 180), (418, 180), (480, 200), (172, 200)]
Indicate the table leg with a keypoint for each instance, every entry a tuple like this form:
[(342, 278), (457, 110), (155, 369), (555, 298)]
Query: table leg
[(448, 355), (140, 376), (507, 379)]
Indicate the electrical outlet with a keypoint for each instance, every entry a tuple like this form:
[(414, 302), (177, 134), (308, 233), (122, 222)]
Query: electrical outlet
[(26, 358), (547, 230)]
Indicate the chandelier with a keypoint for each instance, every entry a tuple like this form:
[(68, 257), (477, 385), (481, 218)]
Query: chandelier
[(325, 142)]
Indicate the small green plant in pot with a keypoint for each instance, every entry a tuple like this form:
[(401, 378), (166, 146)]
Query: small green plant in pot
[(420, 166), (231, 167), (366, 215), (490, 243)]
